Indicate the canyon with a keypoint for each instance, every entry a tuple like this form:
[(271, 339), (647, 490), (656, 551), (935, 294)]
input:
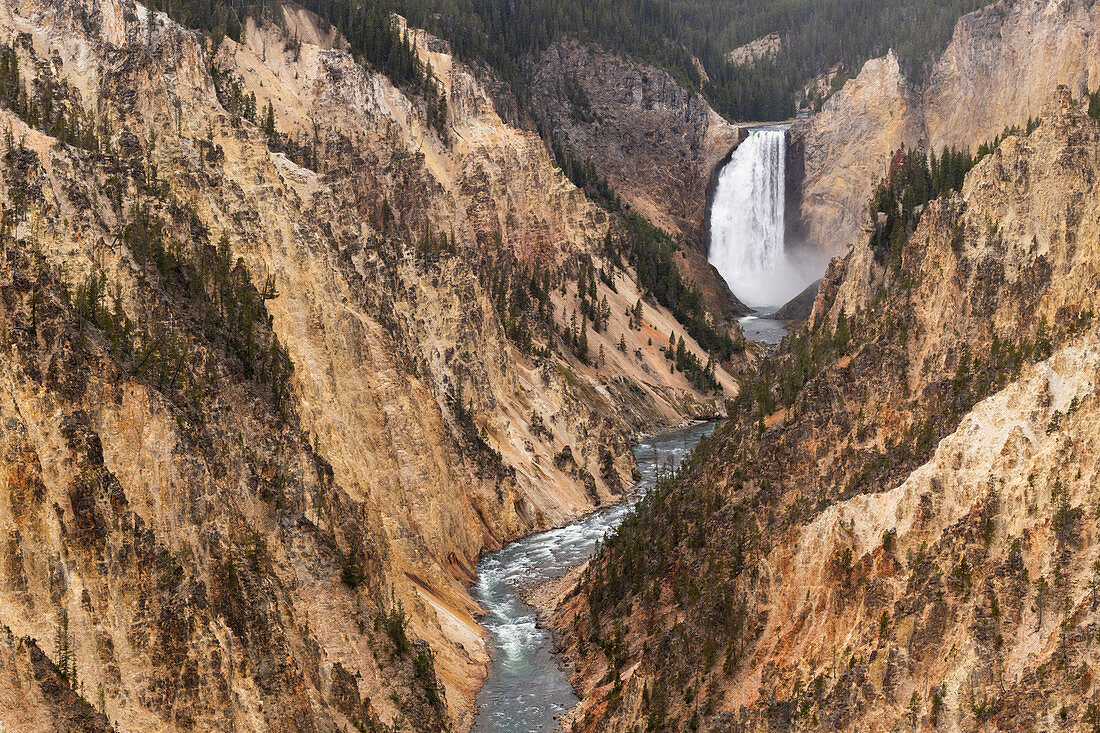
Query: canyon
[(262, 411), (298, 342), (894, 529)]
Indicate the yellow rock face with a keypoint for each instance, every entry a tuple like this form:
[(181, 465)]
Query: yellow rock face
[(205, 586), (998, 71)]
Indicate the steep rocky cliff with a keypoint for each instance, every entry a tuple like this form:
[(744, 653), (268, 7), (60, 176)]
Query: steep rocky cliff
[(657, 143), (997, 71), (281, 360), (846, 147), (896, 527)]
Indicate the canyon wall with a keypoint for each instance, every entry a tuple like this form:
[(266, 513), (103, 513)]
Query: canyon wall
[(1002, 63), (656, 143), (262, 407)]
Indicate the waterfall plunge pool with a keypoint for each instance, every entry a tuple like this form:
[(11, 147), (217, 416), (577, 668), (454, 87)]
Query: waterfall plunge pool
[(762, 329)]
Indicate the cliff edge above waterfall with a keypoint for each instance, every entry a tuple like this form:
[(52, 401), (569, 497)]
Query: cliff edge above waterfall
[(657, 143)]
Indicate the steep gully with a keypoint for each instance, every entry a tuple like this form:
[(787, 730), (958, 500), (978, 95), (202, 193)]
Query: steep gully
[(526, 690)]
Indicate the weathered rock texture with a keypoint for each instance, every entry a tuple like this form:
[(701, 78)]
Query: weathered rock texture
[(909, 541), (997, 71), (655, 141), (846, 147), (657, 144), (765, 47), (237, 544)]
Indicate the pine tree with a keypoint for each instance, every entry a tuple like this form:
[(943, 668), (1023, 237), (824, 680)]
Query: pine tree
[(841, 336), (582, 343), (1094, 582), (269, 120), (64, 649), (1042, 588)]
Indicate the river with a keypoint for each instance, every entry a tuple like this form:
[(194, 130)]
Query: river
[(762, 329), (526, 691)]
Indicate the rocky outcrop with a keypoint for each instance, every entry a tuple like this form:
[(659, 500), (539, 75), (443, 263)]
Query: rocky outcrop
[(1002, 63), (765, 47), (847, 146), (36, 695), (799, 307), (998, 70)]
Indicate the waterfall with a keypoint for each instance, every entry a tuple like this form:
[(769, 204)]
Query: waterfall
[(746, 223)]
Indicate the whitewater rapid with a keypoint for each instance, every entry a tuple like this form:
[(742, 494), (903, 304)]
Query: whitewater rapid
[(526, 691)]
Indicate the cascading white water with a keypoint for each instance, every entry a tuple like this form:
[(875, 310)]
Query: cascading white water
[(747, 227), (527, 689)]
